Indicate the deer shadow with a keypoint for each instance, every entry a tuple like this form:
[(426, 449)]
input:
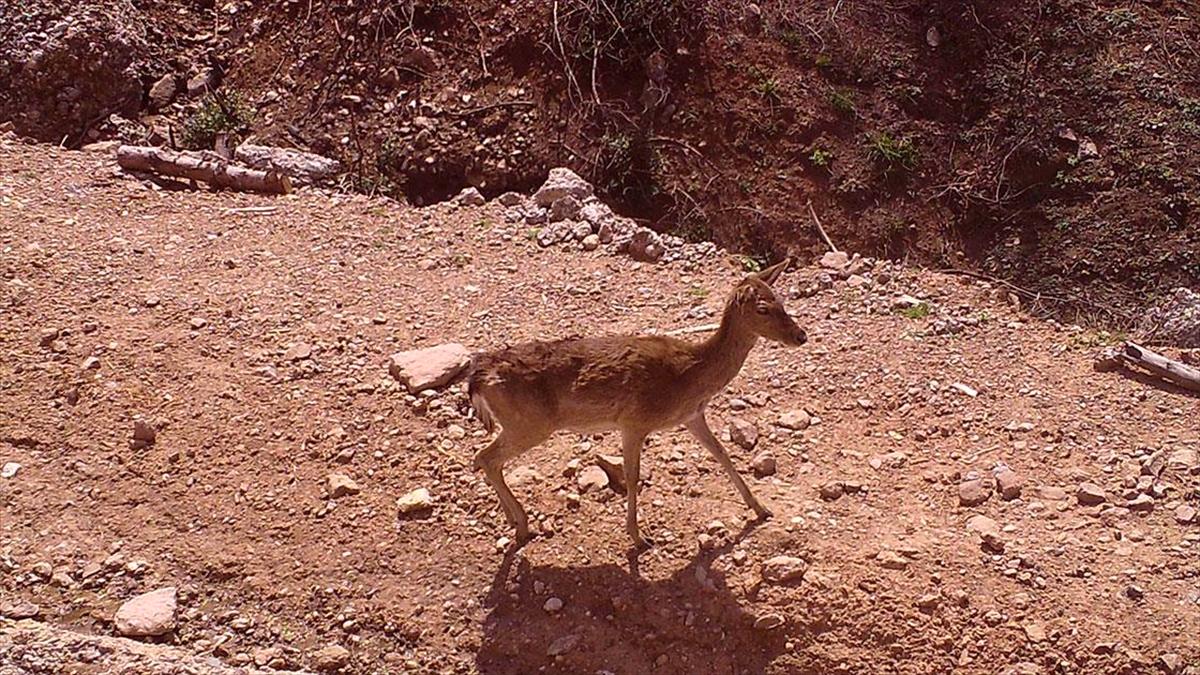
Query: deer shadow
[(613, 620)]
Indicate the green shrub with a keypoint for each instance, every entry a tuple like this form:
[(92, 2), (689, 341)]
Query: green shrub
[(219, 113), (892, 153)]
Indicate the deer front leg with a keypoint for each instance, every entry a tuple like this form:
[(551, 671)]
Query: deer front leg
[(698, 427), (631, 452)]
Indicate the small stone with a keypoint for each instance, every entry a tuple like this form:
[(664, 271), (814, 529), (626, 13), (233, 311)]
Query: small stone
[(645, 246), (614, 466), (143, 432), (429, 368), (147, 615), (1171, 663), (9, 470), (987, 530), (835, 260), (1090, 494), (1009, 484), (43, 569), (1141, 503), (511, 199), (91, 363), (743, 433), (892, 560), (1134, 592), (797, 420), (415, 501), (768, 622), (562, 645), (929, 602), (341, 485), (20, 610), (553, 605), (591, 242), (783, 569), (62, 580), (763, 465), (298, 352), (469, 197), (1035, 632), (832, 490), (1185, 513), (973, 493), (592, 478), (330, 658), (1049, 493), (197, 323)]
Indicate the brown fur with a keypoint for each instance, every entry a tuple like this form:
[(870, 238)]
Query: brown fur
[(636, 385)]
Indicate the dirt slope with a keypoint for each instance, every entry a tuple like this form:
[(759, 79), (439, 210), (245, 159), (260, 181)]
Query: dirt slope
[(255, 341)]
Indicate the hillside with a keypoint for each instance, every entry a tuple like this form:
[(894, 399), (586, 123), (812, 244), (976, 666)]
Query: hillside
[(967, 495), (1047, 143)]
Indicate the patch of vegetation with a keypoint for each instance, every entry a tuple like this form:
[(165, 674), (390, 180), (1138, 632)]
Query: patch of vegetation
[(590, 34), (820, 157), (219, 113), (791, 39), (765, 84), (822, 61), (1121, 19), (750, 264), (892, 153), (698, 292), (630, 169), (917, 311), (842, 101)]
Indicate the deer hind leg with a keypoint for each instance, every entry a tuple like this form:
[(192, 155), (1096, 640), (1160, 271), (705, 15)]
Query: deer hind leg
[(491, 460), (631, 454), (698, 427)]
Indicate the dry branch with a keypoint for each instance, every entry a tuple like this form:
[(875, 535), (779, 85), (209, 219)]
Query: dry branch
[(821, 230), (1132, 354), (205, 167)]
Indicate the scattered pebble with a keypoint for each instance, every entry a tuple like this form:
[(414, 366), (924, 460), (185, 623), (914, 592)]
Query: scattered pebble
[(9, 470), (341, 485), (783, 569), (553, 605), (1090, 494), (763, 465), (415, 501)]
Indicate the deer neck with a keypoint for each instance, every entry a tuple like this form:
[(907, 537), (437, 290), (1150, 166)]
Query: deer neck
[(722, 354)]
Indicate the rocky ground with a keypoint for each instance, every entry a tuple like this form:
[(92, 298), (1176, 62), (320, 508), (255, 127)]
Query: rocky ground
[(197, 405)]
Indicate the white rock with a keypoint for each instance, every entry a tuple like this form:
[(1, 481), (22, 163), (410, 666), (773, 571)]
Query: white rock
[(147, 615), (469, 197), (417, 500), (783, 569), (341, 485), (797, 420), (553, 605), (835, 260), (562, 182), (9, 470), (596, 213), (429, 368)]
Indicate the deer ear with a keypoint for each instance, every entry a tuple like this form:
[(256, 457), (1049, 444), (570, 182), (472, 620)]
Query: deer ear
[(769, 275)]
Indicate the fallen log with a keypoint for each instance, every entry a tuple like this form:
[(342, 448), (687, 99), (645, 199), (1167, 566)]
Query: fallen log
[(1132, 354), (206, 167)]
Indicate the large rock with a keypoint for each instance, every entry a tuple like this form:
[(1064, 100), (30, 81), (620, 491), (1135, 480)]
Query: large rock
[(783, 569), (148, 615), (562, 182), (1177, 320), (304, 168), (163, 92), (645, 246), (429, 368)]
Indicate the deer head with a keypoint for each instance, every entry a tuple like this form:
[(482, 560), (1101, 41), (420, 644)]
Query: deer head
[(759, 310)]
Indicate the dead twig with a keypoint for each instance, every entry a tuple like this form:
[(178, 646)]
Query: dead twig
[(492, 106), (821, 230)]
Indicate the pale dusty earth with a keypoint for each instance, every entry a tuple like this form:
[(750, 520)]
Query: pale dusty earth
[(253, 334)]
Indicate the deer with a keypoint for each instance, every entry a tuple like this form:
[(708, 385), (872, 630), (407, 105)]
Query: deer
[(635, 385)]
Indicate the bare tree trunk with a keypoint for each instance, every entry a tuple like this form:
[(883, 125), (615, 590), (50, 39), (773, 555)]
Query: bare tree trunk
[(206, 167), (1132, 354)]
